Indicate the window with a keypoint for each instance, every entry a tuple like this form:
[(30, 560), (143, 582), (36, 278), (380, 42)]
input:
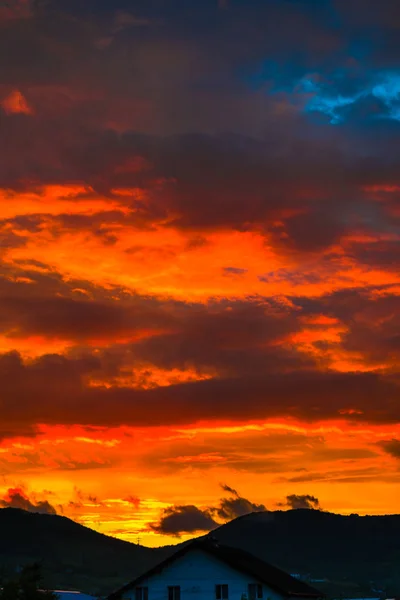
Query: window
[(255, 591), (142, 593), (221, 591), (174, 592)]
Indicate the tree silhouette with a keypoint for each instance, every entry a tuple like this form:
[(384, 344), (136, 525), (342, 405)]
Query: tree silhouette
[(26, 586)]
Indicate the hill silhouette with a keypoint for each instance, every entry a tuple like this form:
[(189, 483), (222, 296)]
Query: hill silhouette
[(356, 555), (71, 555)]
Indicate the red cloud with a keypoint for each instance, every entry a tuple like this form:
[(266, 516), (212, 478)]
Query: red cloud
[(16, 103), (134, 500), (17, 498), (180, 239)]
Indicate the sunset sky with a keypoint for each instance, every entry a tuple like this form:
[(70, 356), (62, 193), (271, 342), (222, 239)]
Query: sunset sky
[(199, 260)]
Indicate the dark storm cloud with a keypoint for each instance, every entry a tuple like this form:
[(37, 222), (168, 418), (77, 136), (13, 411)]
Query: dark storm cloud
[(304, 395), (92, 75), (240, 343), (100, 224), (315, 193), (17, 498), (321, 189), (371, 317), (176, 520), (236, 335), (229, 489), (75, 318), (235, 505), (241, 336), (45, 304), (217, 59), (392, 447), (302, 501), (225, 124)]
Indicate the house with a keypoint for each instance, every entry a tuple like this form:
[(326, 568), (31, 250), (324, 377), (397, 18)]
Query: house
[(205, 570)]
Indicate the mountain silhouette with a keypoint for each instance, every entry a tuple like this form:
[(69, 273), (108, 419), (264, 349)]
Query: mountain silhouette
[(70, 554), (342, 555)]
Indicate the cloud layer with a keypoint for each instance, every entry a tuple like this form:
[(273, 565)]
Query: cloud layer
[(17, 498), (176, 520), (199, 228)]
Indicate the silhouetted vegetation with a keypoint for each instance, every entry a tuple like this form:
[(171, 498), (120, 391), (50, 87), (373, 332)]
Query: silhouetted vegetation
[(357, 555), (71, 556), (26, 585)]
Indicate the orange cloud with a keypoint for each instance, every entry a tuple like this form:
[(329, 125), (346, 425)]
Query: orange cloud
[(16, 103), (327, 460), (17, 498), (198, 281)]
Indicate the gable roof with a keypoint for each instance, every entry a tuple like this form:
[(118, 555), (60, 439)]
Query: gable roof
[(238, 559)]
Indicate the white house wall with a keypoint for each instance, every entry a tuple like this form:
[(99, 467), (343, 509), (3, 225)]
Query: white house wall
[(197, 573)]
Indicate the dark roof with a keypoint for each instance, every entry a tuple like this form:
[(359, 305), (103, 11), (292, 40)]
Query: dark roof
[(240, 560)]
